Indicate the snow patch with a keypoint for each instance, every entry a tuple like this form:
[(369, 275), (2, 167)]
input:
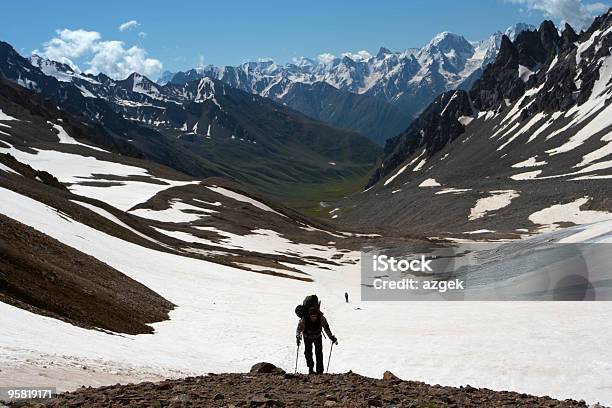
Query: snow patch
[(240, 197), (74, 169), (530, 175), (420, 165), (393, 177), (496, 201), (480, 231), (102, 212), (65, 138), (4, 116), (524, 73), (549, 218), (7, 169), (530, 162), (430, 183), (465, 120), (451, 190), (178, 212)]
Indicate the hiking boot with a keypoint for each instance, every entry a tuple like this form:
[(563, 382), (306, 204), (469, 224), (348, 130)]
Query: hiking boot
[(310, 370)]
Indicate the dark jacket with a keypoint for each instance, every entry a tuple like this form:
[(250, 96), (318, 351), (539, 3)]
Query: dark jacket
[(312, 330)]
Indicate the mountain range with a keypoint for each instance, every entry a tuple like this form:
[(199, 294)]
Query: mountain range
[(525, 149), (204, 128), (376, 96), (501, 132)]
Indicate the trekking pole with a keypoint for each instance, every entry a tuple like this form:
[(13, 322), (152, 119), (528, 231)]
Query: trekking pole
[(297, 355), (329, 359)]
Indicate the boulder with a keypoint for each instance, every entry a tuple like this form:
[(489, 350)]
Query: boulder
[(389, 376), (266, 368)]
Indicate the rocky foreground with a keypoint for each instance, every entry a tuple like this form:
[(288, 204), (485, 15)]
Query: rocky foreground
[(269, 386)]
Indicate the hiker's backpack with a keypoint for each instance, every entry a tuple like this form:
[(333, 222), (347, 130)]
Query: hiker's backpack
[(308, 303)]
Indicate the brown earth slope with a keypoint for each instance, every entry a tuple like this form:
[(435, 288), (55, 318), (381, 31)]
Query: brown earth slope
[(40, 274), (273, 388)]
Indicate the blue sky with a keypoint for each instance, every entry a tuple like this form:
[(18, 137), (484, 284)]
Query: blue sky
[(181, 35)]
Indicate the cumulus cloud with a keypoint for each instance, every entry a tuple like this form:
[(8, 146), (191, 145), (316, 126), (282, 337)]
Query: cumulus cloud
[(326, 57), (68, 45), (358, 56), (110, 57), (129, 25), (577, 13)]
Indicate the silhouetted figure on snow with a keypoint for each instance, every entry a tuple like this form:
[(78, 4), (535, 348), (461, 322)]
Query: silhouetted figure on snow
[(346, 296), (311, 326)]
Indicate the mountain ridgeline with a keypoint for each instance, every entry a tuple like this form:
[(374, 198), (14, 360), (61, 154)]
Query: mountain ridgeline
[(204, 128), (376, 96)]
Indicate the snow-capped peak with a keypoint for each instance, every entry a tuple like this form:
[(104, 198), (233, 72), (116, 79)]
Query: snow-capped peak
[(303, 62), (447, 40), (514, 30), (62, 72), (400, 78), (141, 84), (382, 52)]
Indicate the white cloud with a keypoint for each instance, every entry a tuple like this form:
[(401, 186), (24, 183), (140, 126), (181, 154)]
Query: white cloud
[(110, 57), (129, 25), (325, 58), (578, 14), (68, 45), (118, 62), (358, 56)]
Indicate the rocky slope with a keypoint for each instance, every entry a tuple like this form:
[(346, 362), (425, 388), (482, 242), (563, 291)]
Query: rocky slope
[(49, 159), (47, 277), (531, 133), (371, 116), (267, 386)]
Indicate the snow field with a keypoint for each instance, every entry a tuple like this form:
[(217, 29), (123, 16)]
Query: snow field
[(227, 319)]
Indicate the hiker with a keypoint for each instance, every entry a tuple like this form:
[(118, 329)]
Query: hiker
[(311, 324), (346, 296)]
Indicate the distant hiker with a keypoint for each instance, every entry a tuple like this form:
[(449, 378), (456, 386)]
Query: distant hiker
[(311, 325), (346, 296)]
